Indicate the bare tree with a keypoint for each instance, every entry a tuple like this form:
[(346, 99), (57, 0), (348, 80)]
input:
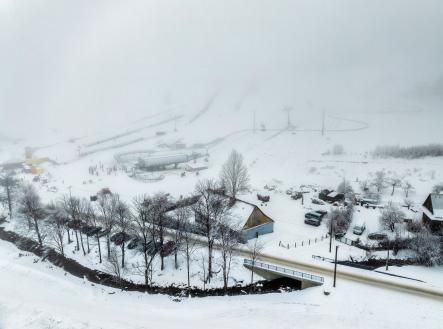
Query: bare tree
[(73, 208), (346, 188), (391, 216), (57, 222), (407, 187), (228, 239), (208, 210), (408, 203), (189, 246), (234, 174), (379, 180), (9, 184), (159, 205), (93, 220), (146, 230), (123, 221), (107, 205), (438, 188), (203, 268), (254, 249), (31, 207), (364, 185), (428, 248), (113, 265), (394, 182), (181, 220)]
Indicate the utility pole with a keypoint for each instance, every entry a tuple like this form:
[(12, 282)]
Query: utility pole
[(288, 110), (330, 236), (387, 259), (335, 265)]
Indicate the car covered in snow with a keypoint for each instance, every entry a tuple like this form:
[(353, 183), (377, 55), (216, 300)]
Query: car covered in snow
[(314, 217), (378, 236), (359, 229)]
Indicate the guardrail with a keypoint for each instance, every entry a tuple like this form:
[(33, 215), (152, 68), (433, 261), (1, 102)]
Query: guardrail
[(280, 269), (325, 259)]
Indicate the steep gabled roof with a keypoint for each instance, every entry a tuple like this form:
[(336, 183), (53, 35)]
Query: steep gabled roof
[(433, 206), (257, 218)]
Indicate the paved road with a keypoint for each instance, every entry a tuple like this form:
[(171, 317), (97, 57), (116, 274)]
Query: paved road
[(347, 273)]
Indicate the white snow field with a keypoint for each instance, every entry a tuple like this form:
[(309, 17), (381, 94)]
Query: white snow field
[(34, 294)]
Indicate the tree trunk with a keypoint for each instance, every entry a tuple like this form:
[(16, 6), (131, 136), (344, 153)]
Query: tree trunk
[(81, 242), (175, 257), (8, 195), (187, 267), (108, 245), (145, 254), (252, 273), (99, 248), (87, 243), (225, 279), (123, 254), (38, 233), (76, 238), (69, 235), (209, 260)]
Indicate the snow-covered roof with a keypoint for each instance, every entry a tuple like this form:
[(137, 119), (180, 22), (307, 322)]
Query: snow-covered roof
[(332, 194), (249, 214), (241, 210), (436, 212)]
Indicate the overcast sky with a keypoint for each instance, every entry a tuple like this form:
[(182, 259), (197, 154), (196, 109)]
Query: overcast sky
[(78, 64)]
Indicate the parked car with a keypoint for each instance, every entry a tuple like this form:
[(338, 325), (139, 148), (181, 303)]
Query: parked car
[(359, 229), (167, 249), (370, 203), (103, 233), (340, 233), (120, 238), (314, 218), (296, 195), (317, 201), (86, 228), (263, 198), (134, 243), (93, 231), (377, 236)]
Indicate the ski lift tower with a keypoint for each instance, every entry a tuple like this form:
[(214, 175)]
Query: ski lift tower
[(288, 110)]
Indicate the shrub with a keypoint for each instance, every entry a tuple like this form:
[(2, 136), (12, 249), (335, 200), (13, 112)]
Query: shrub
[(409, 152)]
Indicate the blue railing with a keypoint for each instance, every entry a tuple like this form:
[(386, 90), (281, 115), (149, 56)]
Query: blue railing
[(280, 269)]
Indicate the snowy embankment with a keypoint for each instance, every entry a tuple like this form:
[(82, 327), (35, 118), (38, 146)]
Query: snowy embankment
[(35, 294)]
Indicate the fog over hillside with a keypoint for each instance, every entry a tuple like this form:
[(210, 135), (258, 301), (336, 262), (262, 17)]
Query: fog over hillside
[(80, 67)]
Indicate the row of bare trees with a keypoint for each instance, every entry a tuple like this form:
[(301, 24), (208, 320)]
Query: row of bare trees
[(70, 218), (144, 218)]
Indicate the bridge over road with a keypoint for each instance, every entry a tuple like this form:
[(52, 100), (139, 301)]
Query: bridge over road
[(270, 272)]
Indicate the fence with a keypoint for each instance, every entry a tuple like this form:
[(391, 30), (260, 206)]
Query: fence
[(280, 269), (303, 243), (347, 241), (324, 259)]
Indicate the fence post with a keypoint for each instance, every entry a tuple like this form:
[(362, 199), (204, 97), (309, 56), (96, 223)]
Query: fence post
[(279, 243), (309, 241), (295, 244), (302, 243), (315, 240), (288, 245)]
